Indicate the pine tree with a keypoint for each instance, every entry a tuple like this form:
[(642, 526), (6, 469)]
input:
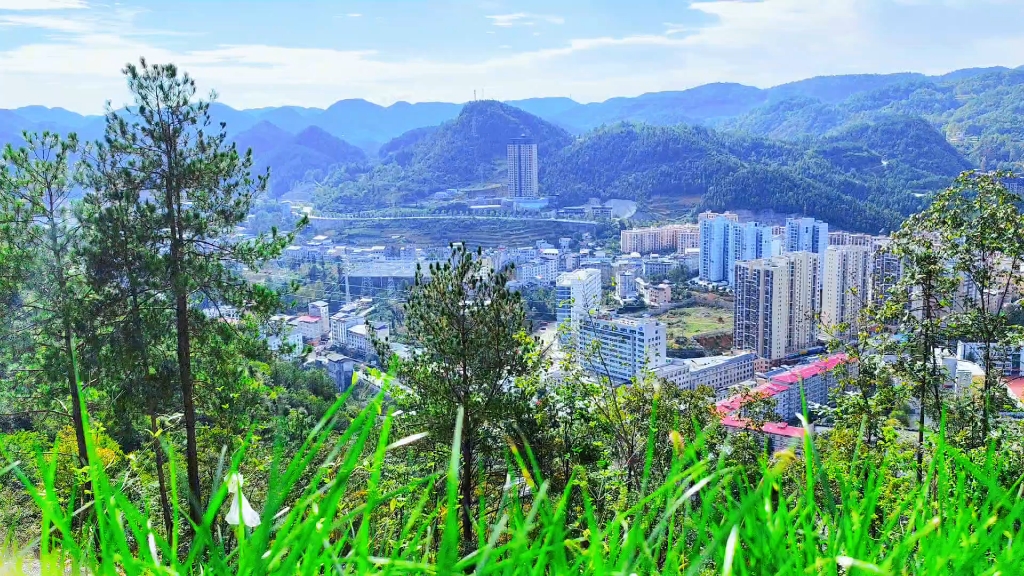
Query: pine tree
[(471, 344), (41, 177), (196, 189)]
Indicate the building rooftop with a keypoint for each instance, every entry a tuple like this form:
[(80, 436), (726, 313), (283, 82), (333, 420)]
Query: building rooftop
[(1016, 387), (308, 319), (777, 428), (318, 303), (579, 274), (392, 268), (712, 361), (734, 403), (810, 370), (625, 320)]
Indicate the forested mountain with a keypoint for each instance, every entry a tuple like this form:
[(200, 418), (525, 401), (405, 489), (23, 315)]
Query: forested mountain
[(464, 151), (291, 157), (978, 110), (467, 151), (854, 183), (880, 138)]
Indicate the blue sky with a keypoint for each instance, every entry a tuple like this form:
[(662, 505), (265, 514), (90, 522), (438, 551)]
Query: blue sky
[(258, 53)]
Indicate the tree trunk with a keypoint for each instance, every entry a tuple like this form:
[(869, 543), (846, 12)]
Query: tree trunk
[(987, 391), (188, 403), (77, 418), (158, 451), (466, 488)]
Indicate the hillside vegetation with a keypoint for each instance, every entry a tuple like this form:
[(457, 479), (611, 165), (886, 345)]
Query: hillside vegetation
[(886, 141), (292, 157), (861, 180), (978, 110)]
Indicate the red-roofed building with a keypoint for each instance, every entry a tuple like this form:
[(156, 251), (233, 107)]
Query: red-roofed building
[(817, 379), (309, 327), (1016, 387), (780, 434)]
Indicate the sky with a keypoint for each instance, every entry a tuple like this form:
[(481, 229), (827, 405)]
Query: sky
[(257, 53)]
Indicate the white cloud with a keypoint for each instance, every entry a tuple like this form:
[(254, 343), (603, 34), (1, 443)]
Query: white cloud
[(671, 28), (353, 15), (41, 4), (762, 43), (523, 19), (53, 23)]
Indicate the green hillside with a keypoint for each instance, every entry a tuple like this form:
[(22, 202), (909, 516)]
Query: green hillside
[(979, 111), (466, 151), (290, 157), (863, 178)]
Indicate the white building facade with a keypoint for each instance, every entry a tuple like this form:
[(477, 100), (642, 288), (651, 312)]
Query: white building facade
[(845, 286), (776, 305), (577, 295), (621, 348)]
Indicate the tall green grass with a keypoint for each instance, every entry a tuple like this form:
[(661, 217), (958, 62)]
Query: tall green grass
[(327, 511)]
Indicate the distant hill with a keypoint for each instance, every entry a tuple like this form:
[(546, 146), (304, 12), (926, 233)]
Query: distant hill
[(463, 152), (665, 108), (906, 139), (290, 158), (400, 150), (864, 178), (977, 110), (467, 151)]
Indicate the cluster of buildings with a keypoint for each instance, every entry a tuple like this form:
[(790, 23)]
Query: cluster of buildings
[(794, 284), (347, 329), (632, 275), (790, 388)]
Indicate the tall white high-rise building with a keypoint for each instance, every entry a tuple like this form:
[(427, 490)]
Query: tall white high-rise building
[(844, 287), (577, 294), (886, 271), (724, 242), (620, 348), (522, 168), (776, 305), (807, 235)]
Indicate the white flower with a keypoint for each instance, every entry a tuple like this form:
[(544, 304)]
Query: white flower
[(151, 540), (240, 510)]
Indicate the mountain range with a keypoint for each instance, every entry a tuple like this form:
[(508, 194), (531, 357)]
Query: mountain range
[(367, 125), (847, 126)]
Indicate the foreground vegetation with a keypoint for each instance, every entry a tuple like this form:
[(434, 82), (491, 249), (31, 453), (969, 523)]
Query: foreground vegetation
[(331, 508), (145, 432)]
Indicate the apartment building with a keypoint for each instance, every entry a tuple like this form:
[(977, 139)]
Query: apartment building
[(845, 284), (720, 373), (886, 271), (620, 348), (709, 215), (776, 305), (625, 285), (522, 168), (688, 238), (724, 242), (850, 239), (319, 309), (807, 235), (655, 295), (1008, 360), (657, 240), (577, 295)]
